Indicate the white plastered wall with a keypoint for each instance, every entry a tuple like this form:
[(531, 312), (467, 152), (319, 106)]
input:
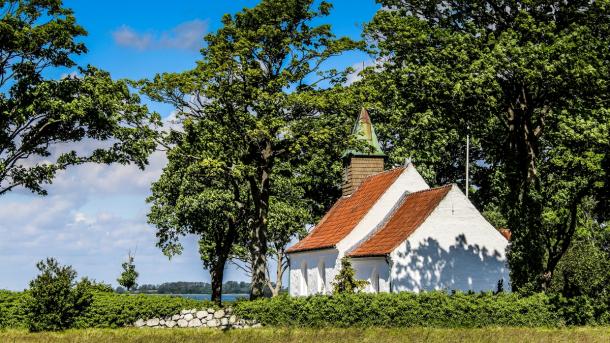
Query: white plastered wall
[(320, 270), (454, 249), (375, 270)]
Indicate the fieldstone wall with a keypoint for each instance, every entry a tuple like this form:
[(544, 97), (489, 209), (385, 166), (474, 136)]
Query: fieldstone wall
[(210, 318)]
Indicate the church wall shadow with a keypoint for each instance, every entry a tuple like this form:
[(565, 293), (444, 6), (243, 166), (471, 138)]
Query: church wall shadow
[(462, 267)]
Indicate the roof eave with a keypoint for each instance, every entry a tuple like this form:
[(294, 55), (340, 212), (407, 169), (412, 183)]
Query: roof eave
[(298, 250), (368, 255)]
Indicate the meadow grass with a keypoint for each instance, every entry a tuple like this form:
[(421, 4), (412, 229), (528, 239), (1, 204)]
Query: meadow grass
[(495, 335)]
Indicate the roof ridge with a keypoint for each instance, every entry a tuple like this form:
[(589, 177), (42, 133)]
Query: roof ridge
[(433, 188)]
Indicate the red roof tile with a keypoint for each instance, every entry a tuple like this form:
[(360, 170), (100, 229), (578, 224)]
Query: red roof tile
[(506, 233), (414, 210), (347, 212)]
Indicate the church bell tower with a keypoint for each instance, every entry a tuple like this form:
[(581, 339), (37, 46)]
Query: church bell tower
[(365, 161)]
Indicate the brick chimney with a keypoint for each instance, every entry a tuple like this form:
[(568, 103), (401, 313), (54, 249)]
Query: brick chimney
[(369, 161)]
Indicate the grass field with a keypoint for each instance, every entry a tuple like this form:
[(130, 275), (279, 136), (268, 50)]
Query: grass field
[(495, 335)]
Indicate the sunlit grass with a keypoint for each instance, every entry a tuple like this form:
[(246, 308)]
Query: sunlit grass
[(495, 335)]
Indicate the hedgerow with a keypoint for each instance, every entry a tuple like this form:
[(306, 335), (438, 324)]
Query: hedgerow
[(12, 313), (427, 309), (111, 310), (107, 310)]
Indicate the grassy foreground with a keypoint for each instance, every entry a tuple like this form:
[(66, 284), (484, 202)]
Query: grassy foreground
[(495, 335)]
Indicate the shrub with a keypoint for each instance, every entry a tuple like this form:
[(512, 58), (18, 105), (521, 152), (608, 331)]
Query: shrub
[(54, 299), (345, 281), (107, 310), (111, 310), (583, 270), (436, 309), (12, 313)]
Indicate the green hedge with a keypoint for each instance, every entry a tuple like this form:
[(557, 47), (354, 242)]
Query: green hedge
[(429, 309), (435, 309), (108, 310), (11, 310), (111, 310)]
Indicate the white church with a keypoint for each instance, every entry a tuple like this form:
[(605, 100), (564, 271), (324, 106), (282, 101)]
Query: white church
[(399, 234)]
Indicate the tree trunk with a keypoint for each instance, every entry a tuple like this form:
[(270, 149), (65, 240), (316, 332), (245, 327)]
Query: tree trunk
[(223, 249), (260, 195), (279, 272), (217, 275), (259, 259)]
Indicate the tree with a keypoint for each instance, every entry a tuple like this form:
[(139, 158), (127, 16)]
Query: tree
[(529, 80), (346, 282), (255, 92), (129, 275), (40, 117), (289, 213), (197, 195), (54, 299)]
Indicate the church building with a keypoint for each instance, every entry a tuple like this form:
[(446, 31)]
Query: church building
[(399, 234)]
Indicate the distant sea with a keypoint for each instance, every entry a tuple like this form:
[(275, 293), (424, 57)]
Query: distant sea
[(224, 297)]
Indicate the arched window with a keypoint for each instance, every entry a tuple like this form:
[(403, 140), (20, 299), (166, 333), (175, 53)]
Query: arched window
[(321, 277), (375, 281), (304, 290)]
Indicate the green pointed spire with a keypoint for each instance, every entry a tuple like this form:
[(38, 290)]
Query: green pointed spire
[(363, 129)]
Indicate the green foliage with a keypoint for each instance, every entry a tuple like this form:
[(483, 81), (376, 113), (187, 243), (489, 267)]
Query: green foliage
[(345, 282), (95, 287), (428, 309), (107, 310), (39, 115), (118, 310), (129, 275), (12, 312), (529, 81), (54, 299), (583, 270), (251, 112)]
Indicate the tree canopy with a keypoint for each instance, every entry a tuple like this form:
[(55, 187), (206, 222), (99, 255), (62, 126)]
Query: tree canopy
[(40, 117), (255, 94), (529, 80)]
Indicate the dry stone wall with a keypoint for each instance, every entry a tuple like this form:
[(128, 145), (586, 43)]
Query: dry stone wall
[(210, 318)]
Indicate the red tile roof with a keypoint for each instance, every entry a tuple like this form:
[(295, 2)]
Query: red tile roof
[(414, 210), (347, 212), (506, 233)]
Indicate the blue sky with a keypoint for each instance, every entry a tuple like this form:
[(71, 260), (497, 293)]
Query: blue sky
[(95, 214)]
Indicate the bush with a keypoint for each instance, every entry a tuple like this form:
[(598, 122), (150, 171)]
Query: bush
[(107, 310), (430, 309), (583, 270), (54, 300), (12, 313), (111, 310)]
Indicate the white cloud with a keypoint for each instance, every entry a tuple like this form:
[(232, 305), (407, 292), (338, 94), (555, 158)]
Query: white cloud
[(358, 67), (94, 214), (186, 36)]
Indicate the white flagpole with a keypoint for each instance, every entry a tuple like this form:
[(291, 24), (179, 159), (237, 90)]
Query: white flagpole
[(467, 159)]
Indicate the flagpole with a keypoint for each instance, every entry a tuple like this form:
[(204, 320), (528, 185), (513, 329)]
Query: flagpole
[(467, 159)]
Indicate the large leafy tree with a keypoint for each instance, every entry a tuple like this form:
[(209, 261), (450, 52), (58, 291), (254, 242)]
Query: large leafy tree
[(254, 90), (39, 116), (197, 194), (530, 81), (290, 211)]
